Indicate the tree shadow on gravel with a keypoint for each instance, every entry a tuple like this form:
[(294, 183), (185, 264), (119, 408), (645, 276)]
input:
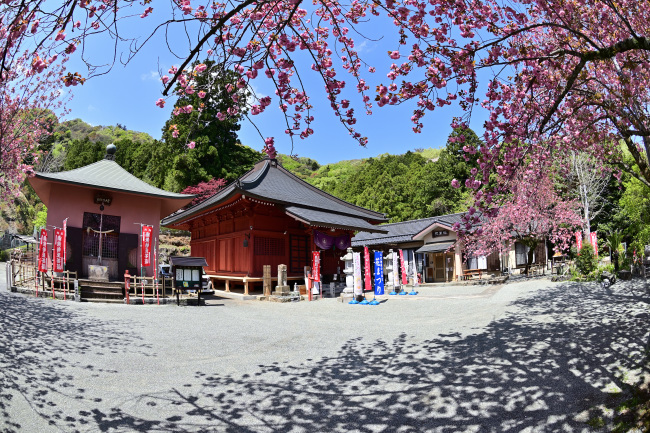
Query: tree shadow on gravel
[(38, 339), (551, 364)]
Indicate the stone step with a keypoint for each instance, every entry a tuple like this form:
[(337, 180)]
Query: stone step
[(101, 292), (89, 283), (104, 300)]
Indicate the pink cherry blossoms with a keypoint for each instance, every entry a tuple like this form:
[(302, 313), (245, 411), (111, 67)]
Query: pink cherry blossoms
[(559, 75), (531, 210)]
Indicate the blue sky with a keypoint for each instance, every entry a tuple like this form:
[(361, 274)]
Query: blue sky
[(127, 94)]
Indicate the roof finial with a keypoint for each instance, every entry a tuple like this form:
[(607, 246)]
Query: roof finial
[(110, 152)]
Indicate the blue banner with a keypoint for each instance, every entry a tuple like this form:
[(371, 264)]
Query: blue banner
[(379, 273)]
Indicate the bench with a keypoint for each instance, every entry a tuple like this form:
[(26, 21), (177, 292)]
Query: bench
[(469, 274)]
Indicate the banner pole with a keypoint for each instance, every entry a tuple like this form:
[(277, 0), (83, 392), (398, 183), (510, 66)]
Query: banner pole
[(52, 281), (155, 269), (141, 264), (65, 280)]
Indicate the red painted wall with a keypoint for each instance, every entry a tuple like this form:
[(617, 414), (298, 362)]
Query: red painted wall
[(69, 201), (220, 236)]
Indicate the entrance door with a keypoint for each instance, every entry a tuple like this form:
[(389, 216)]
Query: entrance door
[(100, 242), (439, 266)]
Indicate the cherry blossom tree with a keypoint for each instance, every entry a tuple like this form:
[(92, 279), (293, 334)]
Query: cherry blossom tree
[(532, 213), (559, 75)]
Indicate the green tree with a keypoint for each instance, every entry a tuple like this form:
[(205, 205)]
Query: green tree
[(83, 152), (586, 261), (196, 145)]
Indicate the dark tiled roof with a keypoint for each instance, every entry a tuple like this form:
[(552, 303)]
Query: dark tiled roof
[(403, 231), (319, 218), (437, 247), (271, 182), (187, 261), (107, 174)]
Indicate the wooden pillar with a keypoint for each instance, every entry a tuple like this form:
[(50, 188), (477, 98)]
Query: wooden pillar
[(227, 285)]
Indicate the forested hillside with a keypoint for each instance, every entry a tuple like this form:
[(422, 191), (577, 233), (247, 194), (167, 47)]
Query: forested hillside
[(413, 185), (409, 186)]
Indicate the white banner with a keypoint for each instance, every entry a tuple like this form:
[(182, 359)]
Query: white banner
[(356, 258), (395, 270)]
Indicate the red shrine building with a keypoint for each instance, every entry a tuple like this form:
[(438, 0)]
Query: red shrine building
[(105, 207), (269, 216)]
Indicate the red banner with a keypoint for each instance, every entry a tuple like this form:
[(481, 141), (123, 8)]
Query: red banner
[(57, 251), (315, 268), (579, 241), (65, 240), (42, 252), (402, 267), (366, 266), (593, 239), (146, 245)]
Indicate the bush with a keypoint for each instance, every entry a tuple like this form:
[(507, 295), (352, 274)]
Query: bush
[(4, 255), (586, 262), (597, 273)]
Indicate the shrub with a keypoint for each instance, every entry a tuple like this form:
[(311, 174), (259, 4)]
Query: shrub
[(586, 262), (4, 255), (597, 273)]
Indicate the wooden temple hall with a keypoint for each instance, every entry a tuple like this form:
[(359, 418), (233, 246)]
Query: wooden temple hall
[(270, 217)]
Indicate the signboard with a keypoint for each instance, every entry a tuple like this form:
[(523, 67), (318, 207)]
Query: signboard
[(356, 260), (103, 199), (42, 252), (439, 233), (315, 256), (379, 273), (146, 245), (402, 268), (593, 239), (57, 251), (579, 241), (366, 269)]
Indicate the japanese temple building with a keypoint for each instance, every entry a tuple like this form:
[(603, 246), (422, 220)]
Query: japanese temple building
[(431, 243), (104, 205), (269, 216)]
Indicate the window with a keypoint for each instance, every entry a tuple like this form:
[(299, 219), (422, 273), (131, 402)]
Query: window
[(478, 262), (269, 246), (521, 254)]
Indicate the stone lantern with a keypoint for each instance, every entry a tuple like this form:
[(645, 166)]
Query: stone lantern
[(348, 292)]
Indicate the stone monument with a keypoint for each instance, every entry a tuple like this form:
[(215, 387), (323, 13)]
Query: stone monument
[(282, 289)]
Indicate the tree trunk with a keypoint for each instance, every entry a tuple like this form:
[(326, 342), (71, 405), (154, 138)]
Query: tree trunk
[(531, 254)]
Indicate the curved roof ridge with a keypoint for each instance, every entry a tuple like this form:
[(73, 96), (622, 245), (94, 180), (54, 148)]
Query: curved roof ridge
[(232, 185), (259, 175)]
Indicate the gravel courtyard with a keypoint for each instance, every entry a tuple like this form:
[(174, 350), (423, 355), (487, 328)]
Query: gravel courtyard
[(533, 356)]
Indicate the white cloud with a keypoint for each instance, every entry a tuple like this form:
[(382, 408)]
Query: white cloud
[(152, 75), (91, 108)]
